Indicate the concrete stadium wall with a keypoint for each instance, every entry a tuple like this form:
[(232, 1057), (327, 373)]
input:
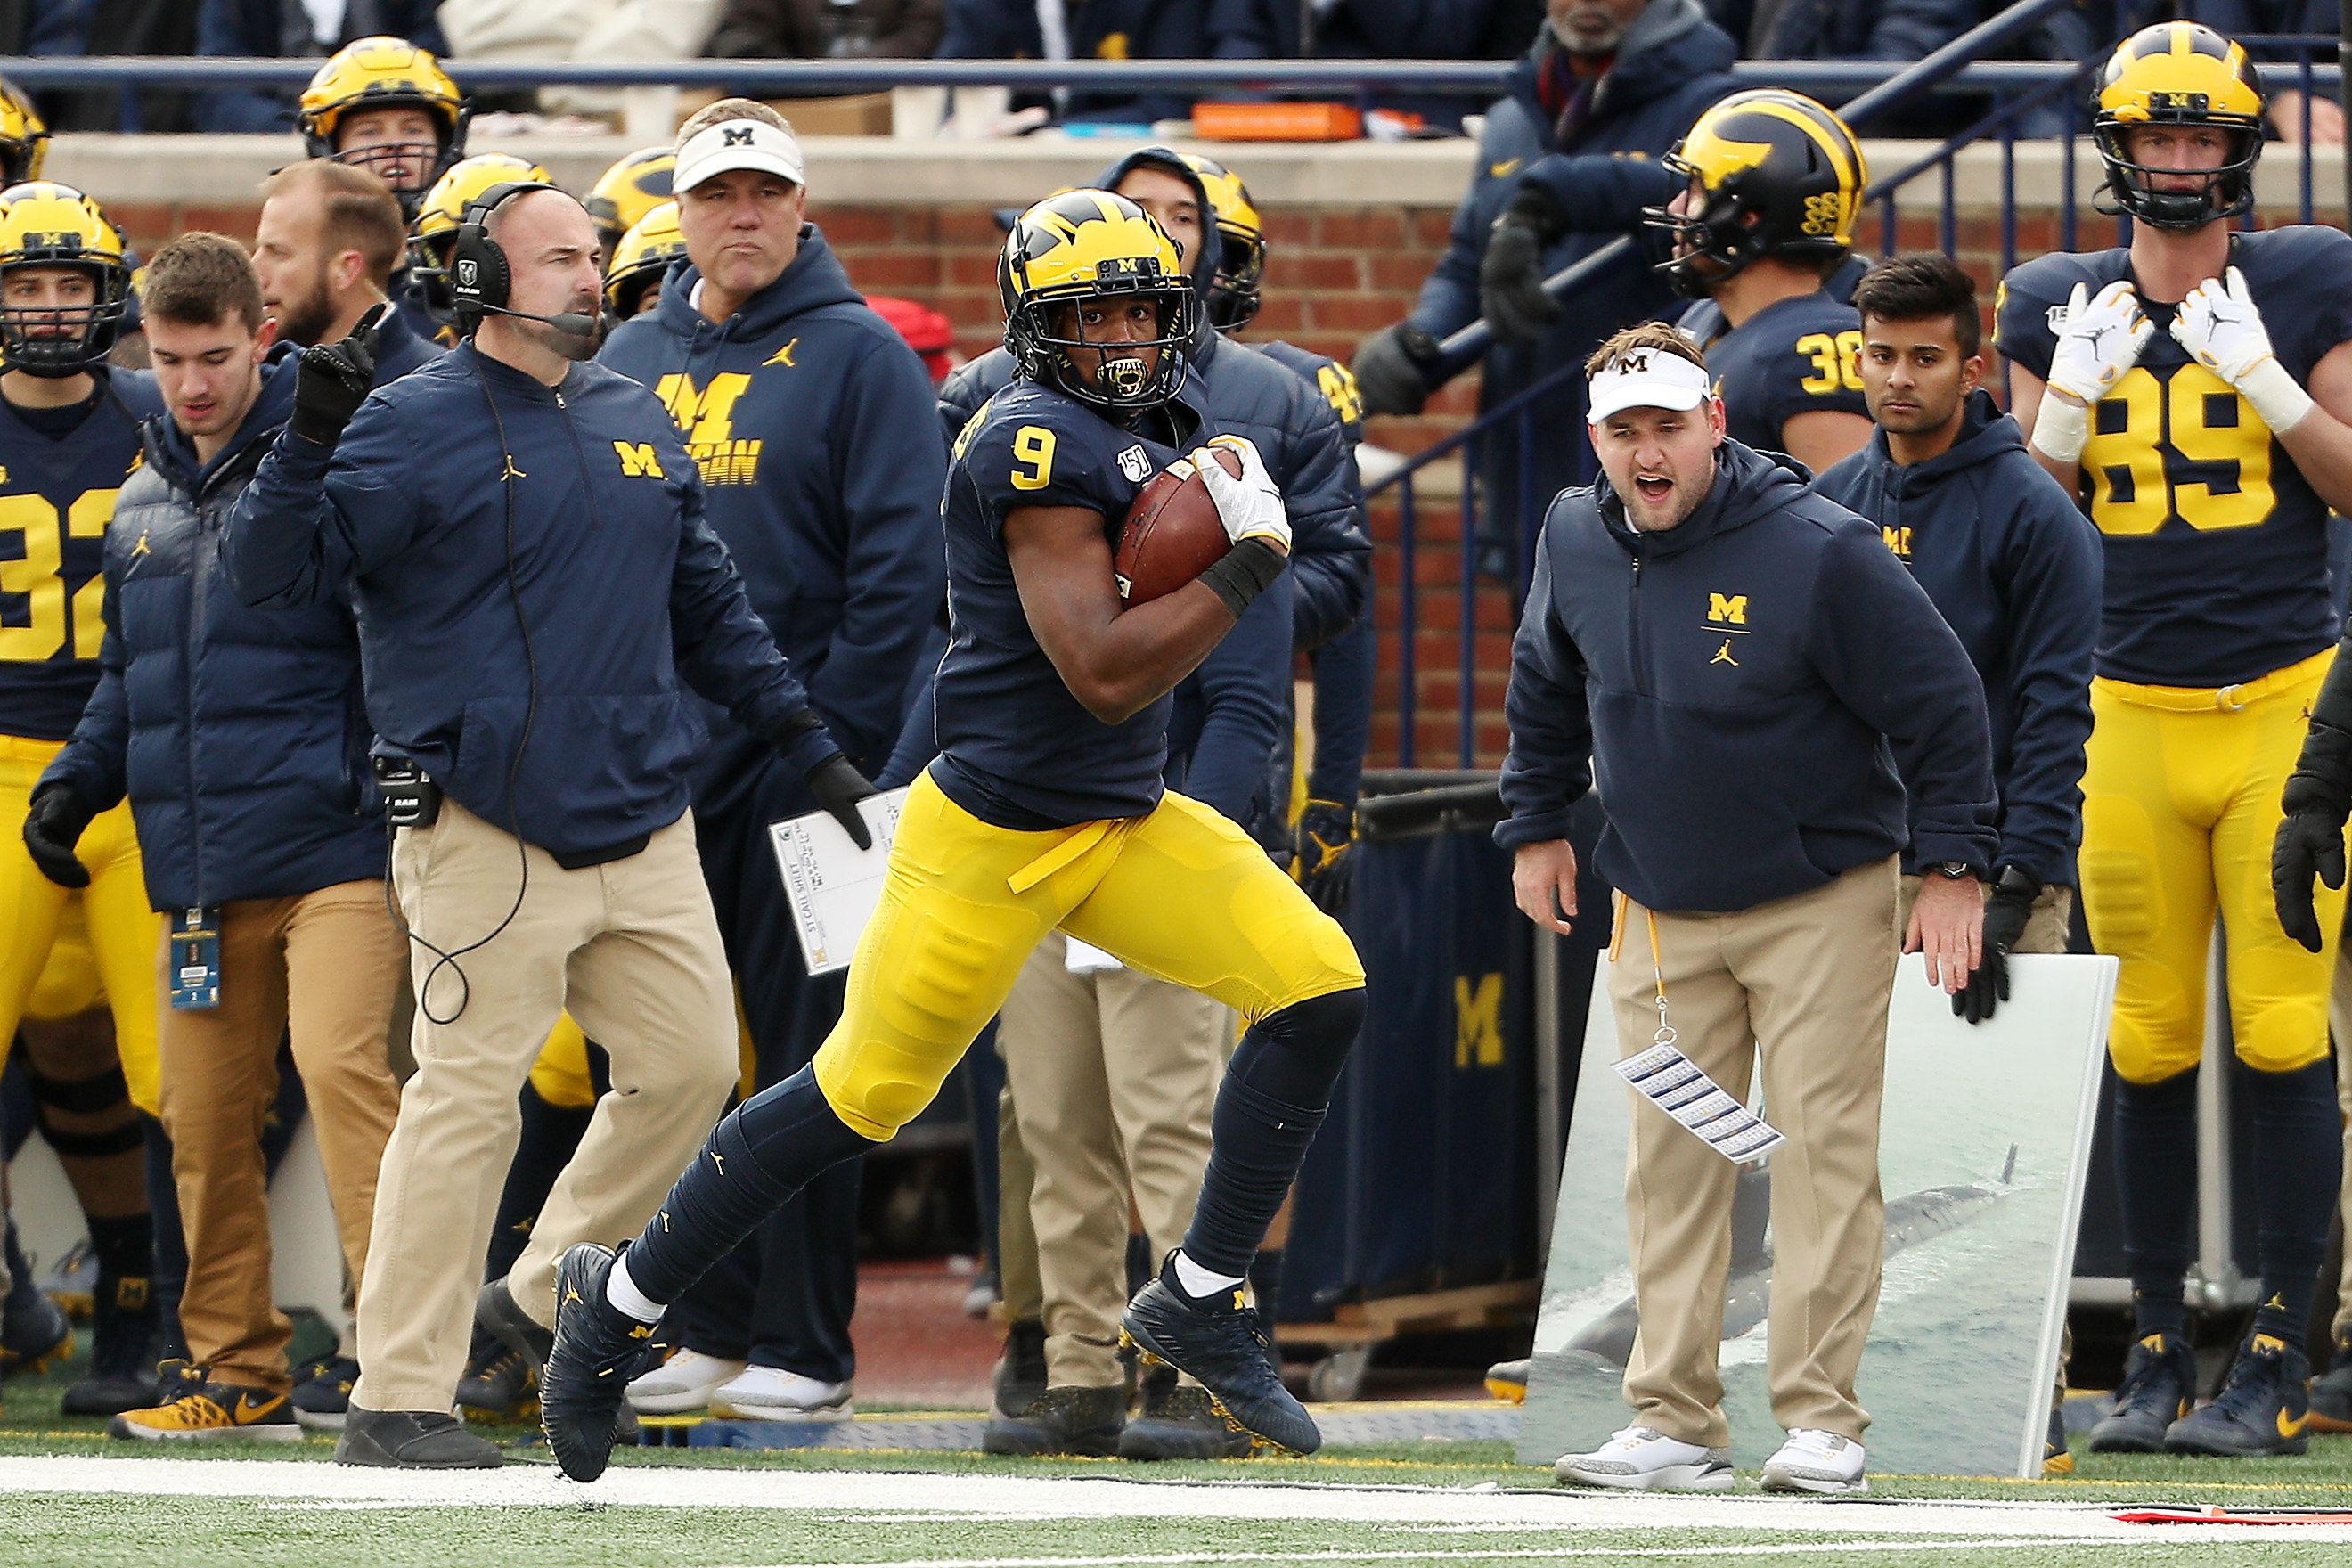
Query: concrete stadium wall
[(1353, 229)]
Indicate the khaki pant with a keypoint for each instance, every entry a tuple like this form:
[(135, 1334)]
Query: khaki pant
[(323, 969), (1018, 1288), (1808, 978), (2340, 1023), (1112, 1077), (2046, 927), (631, 949)]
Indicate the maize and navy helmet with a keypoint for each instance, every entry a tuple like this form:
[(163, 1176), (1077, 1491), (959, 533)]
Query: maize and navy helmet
[(383, 72), (23, 137), (2179, 73), (642, 257), (44, 223), (1775, 173), (435, 231), (1086, 245), (624, 193), (1241, 245)]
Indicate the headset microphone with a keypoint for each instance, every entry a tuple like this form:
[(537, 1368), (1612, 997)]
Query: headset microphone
[(569, 322)]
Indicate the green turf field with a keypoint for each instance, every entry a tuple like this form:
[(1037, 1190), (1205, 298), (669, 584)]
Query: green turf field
[(69, 1495)]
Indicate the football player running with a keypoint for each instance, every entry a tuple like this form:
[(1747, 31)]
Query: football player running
[(2194, 389), (1045, 809)]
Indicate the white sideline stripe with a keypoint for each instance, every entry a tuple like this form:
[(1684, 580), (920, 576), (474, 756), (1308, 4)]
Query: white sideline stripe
[(1038, 1498), (1514, 1553)]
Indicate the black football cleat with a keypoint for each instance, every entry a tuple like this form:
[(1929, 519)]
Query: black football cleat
[(2261, 1411), (597, 1349), (2159, 1385), (1224, 1346), (1182, 1422)]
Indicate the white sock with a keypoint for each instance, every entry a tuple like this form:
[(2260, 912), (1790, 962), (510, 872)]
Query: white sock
[(1197, 1282), (622, 1293)]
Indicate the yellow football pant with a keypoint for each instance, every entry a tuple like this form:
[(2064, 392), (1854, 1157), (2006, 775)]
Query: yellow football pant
[(1179, 893), (2181, 805), (123, 932)]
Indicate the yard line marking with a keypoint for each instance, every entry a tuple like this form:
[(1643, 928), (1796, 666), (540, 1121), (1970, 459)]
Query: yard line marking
[(1514, 1553)]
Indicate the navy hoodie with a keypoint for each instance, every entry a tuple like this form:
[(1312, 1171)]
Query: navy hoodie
[(2014, 566), (237, 733), (1754, 688), (822, 468)]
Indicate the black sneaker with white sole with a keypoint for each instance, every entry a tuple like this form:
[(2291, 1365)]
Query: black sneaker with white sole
[(1223, 1344)]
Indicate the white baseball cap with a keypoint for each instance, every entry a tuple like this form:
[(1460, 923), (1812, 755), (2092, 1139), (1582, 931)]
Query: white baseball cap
[(1646, 378), (736, 144)]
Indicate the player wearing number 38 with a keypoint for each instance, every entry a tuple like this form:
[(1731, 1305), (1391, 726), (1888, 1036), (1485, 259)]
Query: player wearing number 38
[(2195, 390)]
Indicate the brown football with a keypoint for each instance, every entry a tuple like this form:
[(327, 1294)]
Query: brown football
[(1172, 532)]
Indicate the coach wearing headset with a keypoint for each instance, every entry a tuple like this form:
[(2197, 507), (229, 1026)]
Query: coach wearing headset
[(523, 535)]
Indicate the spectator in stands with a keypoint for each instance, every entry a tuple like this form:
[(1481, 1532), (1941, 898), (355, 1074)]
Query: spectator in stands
[(811, 421), (270, 28), (1079, 30), (70, 27), (2246, 19), (1607, 87), (1375, 29), (587, 32), (827, 29), (1899, 30)]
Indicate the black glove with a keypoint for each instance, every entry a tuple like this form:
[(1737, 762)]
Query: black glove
[(1324, 862), (1510, 274), (2310, 842), (54, 822), (839, 787), (333, 380), (2005, 917), (1392, 369)]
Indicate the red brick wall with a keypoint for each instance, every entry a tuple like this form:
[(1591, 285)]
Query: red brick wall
[(1336, 274)]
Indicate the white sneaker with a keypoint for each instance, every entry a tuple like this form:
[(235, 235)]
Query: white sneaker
[(1641, 1458), (680, 1385), (1812, 1460), (772, 1394)]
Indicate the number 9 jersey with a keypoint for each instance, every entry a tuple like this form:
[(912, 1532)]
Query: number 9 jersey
[(2216, 546)]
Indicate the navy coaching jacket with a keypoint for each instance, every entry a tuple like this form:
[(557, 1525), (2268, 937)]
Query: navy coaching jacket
[(1747, 686), (2014, 566), (621, 583), (237, 732), (821, 470)]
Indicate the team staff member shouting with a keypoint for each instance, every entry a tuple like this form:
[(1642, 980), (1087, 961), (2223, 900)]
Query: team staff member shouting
[(2011, 565), (531, 589), (69, 438), (822, 466), (2195, 389), (279, 862), (1045, 809), (1757, 862)]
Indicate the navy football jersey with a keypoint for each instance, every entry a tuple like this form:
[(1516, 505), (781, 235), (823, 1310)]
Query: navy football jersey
[(57, 497), (2216, 546), (1335, 381), (1017, 748), (1793, 356)]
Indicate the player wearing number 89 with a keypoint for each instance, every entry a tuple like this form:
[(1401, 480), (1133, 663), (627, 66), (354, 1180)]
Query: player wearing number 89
[(1044, 810), (2193, 390), (1771, 185)]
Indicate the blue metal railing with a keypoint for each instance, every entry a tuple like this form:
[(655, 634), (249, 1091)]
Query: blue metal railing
[(2029, 99)]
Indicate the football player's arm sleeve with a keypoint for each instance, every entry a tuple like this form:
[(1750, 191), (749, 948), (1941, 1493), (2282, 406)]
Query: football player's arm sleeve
[(1241, 686), (1344, 672), (2054, 585), (1548, 767), (723, 649), (1884, 648), (1324, 495), (95, 759), (314, 518), (889, 469)]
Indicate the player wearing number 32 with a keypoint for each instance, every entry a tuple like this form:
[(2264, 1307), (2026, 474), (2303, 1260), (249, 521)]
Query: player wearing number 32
[(2195, 390), (1045, 809)]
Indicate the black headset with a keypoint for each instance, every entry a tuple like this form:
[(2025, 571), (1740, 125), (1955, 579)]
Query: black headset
[(479, 278)]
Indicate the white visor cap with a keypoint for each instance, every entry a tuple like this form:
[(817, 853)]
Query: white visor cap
[(1646, 378), (737, 144)]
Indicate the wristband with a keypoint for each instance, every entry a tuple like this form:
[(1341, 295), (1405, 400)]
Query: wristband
[(2061, 430), (2276, 400), (1245, 572)]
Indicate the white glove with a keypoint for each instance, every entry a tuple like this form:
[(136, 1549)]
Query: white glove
[(2104, 336), (2223, 331), (1250, 507)]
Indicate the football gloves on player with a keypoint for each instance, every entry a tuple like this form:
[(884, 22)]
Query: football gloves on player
[(2223, 331), (333, 380), (1251, 506), (2103, 338)]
